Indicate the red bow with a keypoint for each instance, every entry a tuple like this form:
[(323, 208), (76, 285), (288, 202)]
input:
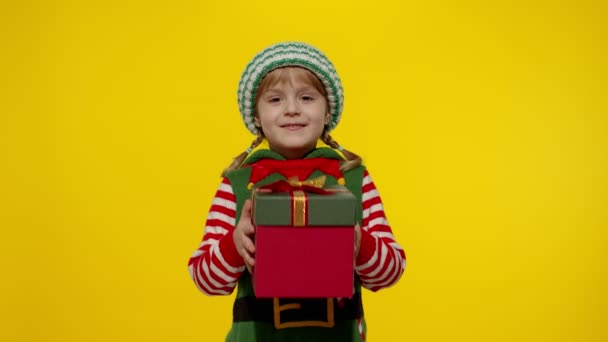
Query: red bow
[(314, 185), (299, 169)]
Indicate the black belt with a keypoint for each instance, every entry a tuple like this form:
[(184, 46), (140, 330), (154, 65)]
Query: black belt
[(292, 311)]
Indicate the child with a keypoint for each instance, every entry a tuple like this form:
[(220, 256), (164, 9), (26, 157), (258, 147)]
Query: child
[(291, 95)]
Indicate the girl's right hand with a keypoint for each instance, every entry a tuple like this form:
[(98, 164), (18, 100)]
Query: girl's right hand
[(243, 234)]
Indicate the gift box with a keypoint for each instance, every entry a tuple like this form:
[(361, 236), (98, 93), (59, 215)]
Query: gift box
[(304, 241)]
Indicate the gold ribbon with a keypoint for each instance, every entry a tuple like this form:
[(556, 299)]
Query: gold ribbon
[(299, 208), (318, 182)]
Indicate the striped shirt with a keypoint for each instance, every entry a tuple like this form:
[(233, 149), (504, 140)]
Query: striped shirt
[(216, 265)]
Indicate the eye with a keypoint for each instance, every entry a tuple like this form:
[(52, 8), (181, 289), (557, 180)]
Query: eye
[(274, 99), (308, 98)]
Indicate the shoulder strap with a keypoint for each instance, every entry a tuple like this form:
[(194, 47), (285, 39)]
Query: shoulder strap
[(238, 180)]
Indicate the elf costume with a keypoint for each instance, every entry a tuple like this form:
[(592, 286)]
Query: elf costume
[(216, 267)]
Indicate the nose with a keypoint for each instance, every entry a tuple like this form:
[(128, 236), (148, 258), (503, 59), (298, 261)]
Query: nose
[(291, 107)]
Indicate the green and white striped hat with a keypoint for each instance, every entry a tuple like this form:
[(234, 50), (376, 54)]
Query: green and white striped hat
[(289, 54)]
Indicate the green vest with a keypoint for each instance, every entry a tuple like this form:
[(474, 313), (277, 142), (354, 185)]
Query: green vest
[(253, 319)]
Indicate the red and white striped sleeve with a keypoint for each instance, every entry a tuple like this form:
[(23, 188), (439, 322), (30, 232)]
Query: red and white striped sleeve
[(216, 265), (381, 260)]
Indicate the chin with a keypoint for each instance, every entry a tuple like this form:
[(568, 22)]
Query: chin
[(298, 148)]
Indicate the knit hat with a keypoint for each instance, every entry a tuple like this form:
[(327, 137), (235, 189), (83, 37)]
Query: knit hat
[(289, 54)]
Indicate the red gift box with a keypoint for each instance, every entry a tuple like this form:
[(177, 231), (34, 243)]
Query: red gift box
[(304, 242)]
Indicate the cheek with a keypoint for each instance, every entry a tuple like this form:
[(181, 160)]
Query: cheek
[(319, 125), (266, 123), (262, 115), (264, 119)]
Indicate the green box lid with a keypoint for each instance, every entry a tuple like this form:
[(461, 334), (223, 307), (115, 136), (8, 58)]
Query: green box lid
[(337, 208)]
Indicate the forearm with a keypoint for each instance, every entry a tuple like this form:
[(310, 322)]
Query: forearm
[(381, 260), (216, 266)]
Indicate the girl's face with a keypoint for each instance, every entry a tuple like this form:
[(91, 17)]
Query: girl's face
[(291, 112)]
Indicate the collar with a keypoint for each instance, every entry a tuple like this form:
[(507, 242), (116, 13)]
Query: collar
[(321, 152), (265, 162)]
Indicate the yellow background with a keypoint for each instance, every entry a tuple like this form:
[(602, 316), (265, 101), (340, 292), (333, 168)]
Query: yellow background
[(484, 125)]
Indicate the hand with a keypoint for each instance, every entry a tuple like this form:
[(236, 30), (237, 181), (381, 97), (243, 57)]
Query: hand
[(242, 236), (357, 240)]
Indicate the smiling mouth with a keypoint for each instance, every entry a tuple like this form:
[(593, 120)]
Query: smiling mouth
[(293, 127)]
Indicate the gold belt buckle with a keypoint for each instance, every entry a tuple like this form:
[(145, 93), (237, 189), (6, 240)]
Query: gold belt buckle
[(296, 306)]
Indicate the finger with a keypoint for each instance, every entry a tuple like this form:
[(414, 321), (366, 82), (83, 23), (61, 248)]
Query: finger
[(244, 254), (246, 211), (249, 261), (248, 244), (248, 228)]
